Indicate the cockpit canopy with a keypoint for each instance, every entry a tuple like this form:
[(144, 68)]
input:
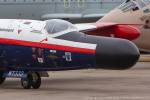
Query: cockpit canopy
[(57, 25), (133, 5)]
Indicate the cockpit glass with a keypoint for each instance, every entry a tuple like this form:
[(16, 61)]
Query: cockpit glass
[(141, 3), (56, 25), (133, 5), (129, 5), (146, 2)]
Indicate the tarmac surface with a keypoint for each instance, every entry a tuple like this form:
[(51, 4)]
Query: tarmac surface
[(133, 84)]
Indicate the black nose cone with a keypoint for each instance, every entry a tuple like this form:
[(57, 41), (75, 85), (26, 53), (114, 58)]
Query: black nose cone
[(111, 53), (116, 54)]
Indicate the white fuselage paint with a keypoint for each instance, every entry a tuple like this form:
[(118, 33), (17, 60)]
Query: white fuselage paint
[(35, 32)]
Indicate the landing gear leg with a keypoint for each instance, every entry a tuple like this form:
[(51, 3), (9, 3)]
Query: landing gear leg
[(27, 82), (2, 79), (36, 82)]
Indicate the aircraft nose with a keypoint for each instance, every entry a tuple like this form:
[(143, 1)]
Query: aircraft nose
[(116, 54)]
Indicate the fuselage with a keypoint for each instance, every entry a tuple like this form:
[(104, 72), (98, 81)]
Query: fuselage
[(25, 43), (138, 18), (47, 46)]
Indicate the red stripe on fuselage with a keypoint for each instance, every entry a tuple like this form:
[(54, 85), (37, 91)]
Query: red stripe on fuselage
[(46, 46)]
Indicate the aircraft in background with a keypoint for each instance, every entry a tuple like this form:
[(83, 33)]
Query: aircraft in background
[(130, 16), (72, 10), (30, 48)]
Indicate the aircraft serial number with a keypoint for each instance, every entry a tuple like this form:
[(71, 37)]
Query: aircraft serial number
[(15, 73)]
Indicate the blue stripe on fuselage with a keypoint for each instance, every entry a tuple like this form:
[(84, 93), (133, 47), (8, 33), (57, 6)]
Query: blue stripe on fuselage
[(30, 58)]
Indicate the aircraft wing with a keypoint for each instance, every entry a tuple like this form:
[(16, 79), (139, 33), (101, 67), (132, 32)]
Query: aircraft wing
[(71, 16), (125, 31), (87, 27)]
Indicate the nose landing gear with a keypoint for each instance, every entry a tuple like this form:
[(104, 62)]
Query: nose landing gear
[(2, 79), (32, 80)]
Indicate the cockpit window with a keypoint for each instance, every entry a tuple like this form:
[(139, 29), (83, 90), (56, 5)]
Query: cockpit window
[(129, 5), (133, 5), (56, 25), (141, 3), (146, 2)]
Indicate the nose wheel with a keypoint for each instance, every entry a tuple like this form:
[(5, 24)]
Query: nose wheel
[(36, 80), (32, 80)]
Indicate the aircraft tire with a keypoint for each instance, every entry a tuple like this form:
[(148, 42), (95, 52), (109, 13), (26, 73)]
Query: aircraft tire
[(27, 82), (36, 82), (2, 79)]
